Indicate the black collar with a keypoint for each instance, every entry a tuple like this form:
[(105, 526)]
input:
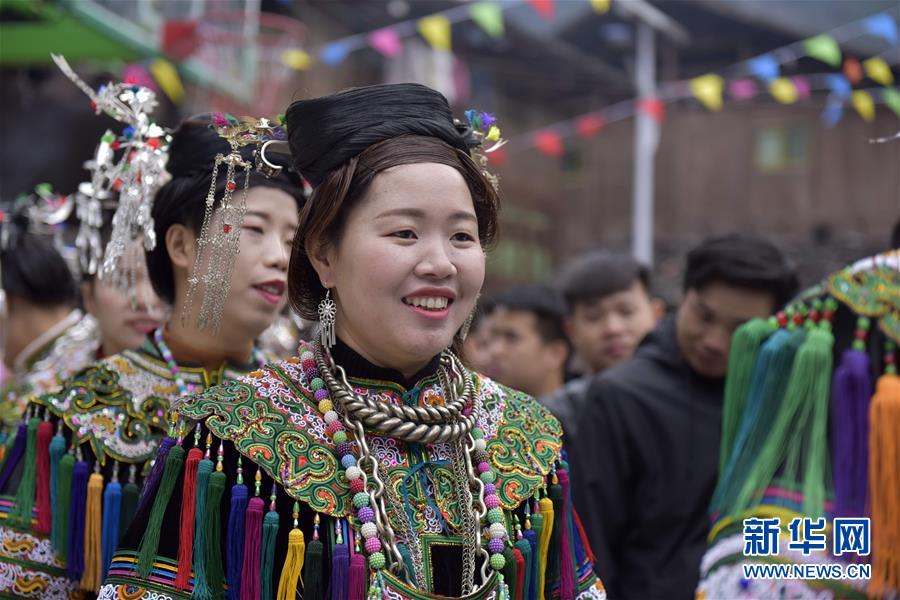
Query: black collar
[(358, 367)]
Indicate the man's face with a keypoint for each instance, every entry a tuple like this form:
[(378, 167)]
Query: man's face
[(708, 317), (518, 356), (605, 331)]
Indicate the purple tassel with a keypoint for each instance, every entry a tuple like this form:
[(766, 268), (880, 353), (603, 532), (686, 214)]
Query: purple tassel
[(340, 571), (850, 395), (76, 520), (15, 455), (566, 564), (152, 481), (235, 537), (358, 576)]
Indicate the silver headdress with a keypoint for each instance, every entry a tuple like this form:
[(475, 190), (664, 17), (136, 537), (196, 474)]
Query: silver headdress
[(132, 165)]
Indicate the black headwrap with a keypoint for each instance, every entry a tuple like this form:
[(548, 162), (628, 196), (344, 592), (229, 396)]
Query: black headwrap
[(326, 132)]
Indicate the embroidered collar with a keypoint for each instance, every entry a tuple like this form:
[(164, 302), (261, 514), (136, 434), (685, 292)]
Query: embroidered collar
[(41, 342), (358, 367)]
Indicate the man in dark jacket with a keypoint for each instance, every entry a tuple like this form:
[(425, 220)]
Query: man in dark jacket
[(645, 453)]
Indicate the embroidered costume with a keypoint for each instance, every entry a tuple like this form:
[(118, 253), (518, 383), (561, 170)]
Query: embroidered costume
[(811, 415)]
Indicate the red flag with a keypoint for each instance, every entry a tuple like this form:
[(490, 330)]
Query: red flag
[(179, 39), (549, 142), (545, 8), (589, 125), (653, 107), (852, 70), (498, 157)]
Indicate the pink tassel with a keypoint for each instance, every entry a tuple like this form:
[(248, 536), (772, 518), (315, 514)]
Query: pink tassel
[(252, 544), (358, 574), (566, 563)]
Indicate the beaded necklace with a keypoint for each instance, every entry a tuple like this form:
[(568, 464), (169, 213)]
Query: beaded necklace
[(364, 501)]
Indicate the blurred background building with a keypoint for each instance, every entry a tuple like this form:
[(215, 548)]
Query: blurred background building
[(639, 125)]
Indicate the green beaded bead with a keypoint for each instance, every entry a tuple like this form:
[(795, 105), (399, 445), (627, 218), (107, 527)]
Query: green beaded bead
[(488, 477), (306, 355), (376, 561), (831, 304), (497, 562), (863, 323), (339, 437), (495, 515), (360, 499), (477, 433), (317, 384)]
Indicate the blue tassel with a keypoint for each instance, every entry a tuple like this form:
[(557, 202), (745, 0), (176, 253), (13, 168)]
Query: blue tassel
[(340, 571), (201, 585), (112, 508), (75, 552), (15, 455), (235, 539), (57, 449), (156, 472), (531, 537)]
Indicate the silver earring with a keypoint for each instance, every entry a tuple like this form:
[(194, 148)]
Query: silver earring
[(464, 330), (327, 314)]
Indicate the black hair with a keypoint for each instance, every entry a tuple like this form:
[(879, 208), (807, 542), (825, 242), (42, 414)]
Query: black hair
[(895, 235), (598, 274), (544, 302), (182, 200), (33, 269), (742, 261)]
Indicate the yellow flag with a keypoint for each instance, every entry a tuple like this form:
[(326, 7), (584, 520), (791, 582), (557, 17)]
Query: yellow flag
[(878, 70), (783, 90), (296, 58), (864, 105), (600, 6), (436, 31), (166, 75), (708, 90)]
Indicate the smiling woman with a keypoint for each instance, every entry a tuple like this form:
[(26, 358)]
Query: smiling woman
[(113, 416), (383, 467)]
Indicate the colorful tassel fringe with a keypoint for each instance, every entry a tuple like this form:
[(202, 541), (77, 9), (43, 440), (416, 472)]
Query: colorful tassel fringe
[(44, 511), (77, 520), (150, 542), (235, 539), (112, 514), (186, 523), (252, 560), (93, 526), (884, 481)]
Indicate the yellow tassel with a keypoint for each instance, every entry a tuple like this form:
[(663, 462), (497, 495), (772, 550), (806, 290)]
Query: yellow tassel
[(293, 566), (546, 510), (884, 485), (93, 533)]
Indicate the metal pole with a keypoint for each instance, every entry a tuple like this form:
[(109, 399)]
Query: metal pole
[(646, 138)]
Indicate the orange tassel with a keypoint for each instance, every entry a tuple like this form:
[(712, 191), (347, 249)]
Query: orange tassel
[(884, 485), (93, 535)]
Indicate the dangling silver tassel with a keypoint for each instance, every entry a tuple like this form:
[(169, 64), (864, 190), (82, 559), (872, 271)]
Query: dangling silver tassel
[(327, 318)]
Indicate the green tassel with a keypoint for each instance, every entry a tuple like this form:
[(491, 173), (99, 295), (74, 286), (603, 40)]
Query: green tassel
[(407, 561), (66, 467), (267, 571), (525, 548), (150, 541), (509, 571), (131, 495), (745, 346), (312, 571), (215, 571), (21, 515), (803, 409)]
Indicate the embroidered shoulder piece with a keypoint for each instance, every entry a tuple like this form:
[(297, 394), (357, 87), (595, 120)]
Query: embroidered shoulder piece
[(73, 351), (871, 287), (116, 407), (523, 440)]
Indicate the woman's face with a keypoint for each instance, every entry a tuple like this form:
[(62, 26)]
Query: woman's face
[(259, 280), (408, 267)]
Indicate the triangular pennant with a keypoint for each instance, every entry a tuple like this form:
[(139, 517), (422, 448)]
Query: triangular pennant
[(742, 89), (864, 105), (296, 59), (498, 157), (801, 84), (386, 41), (545, 8), (550, 143), (764, 67), (882, 25), (166, 75), (488, 16), (436, 31), (653, 107), (878, 70), (783, 90), (708, 90), (834, 111), (589, 125), (824, 48), (839, 85), (600, 6), (891, 98), (334, 53), (852, 70)]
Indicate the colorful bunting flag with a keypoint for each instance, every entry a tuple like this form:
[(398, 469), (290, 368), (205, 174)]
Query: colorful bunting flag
[(589, 125), (334, 53), (498, 157), (834, 111), (550, 143), (488, 16), (166, 75), (436, 31), (545, 8), (864, 105), (883, 26), (653, 107), (824, 48), (386, 41), (600, 6), (138, 74), (852, 70), (783, 90), (764, 67), (878, 70), (742, 89), (708, 90), (801, 84), (839, 85), (297, 59), (891, 98)]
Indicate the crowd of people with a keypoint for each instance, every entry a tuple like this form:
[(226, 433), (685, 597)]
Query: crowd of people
[(569, 439)]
